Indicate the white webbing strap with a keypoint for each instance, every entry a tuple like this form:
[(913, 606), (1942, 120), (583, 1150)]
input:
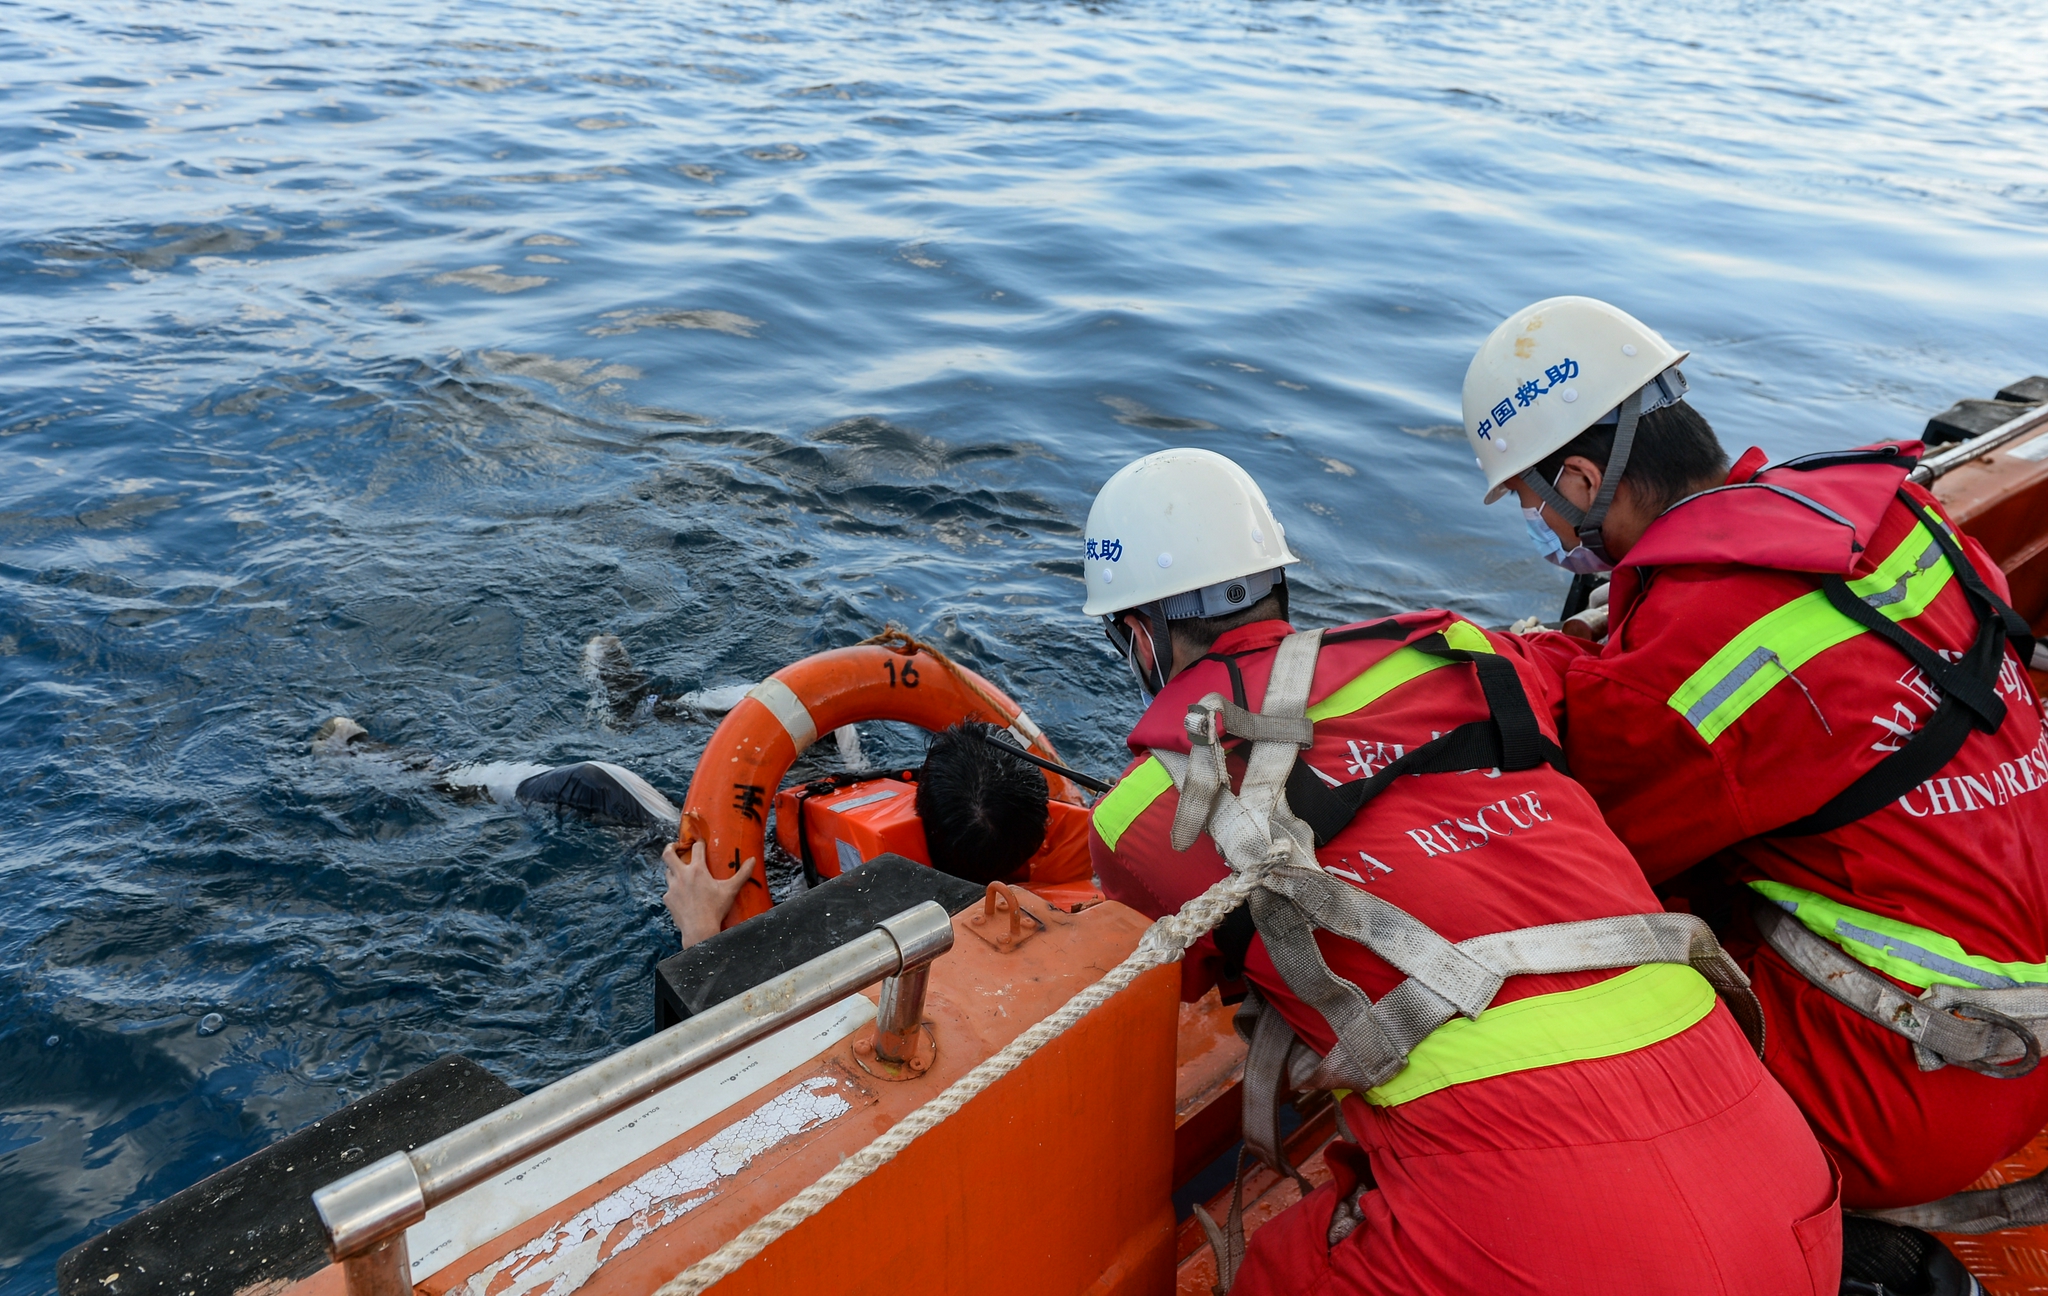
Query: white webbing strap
[(1995, 1032), (1255, 828), (1272, 1049), (1445, 979), (1983, 1210), (1278, 730)]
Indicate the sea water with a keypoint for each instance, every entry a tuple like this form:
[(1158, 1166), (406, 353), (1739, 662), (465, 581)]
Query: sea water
[(371, 358)]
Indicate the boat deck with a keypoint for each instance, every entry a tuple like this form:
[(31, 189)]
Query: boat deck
[(2013, 1262)]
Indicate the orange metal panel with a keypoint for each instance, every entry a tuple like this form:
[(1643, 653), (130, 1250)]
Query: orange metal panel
[(1056, 1179)]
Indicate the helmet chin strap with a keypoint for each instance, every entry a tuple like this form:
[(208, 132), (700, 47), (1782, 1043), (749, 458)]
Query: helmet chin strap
[(1588, 521), (1149, 616)]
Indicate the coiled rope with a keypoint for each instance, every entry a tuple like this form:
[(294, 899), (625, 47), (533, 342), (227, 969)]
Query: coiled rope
[(1164, 941)]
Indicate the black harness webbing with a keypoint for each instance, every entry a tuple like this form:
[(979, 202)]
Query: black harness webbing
[(1969, 688), (1507, 739)]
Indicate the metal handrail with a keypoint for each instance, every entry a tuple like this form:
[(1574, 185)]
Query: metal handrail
[(366, 1213), (1956, 456)]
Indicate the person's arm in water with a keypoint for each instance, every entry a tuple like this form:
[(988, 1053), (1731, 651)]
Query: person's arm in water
[(695, 899)]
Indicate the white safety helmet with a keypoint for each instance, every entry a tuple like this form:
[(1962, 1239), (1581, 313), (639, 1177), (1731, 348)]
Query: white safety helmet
[(1179, 534), (1553, 370)]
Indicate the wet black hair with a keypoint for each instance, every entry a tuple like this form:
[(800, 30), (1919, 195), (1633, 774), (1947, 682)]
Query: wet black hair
[(984, 810), (1675, 454)]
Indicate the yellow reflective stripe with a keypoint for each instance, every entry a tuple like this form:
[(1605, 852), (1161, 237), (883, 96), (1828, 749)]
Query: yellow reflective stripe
[(1766, 653), (1634, 1010), (1394, 670), (1914, 955), (1467, 637), (1122, 805)]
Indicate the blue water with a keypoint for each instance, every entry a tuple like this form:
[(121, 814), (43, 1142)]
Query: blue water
[(371, 358)]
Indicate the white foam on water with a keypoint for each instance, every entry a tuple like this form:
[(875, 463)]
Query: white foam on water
[(716, 701), (848, 738)]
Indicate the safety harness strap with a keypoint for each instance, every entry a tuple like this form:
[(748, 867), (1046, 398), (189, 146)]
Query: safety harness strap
[(1986, 1210), (1448, 980), (1206, 788), (1992, 1032), (2017, 632), (1258, 826), (1508, 739), (1954, 680), (1968, 687), (1271, 1052)]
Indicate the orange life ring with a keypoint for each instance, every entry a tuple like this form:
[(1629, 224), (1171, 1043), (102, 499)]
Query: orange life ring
[(890, 677)]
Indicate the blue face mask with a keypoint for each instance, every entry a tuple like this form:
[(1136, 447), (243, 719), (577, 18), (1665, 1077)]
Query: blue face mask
[(1581, 560)]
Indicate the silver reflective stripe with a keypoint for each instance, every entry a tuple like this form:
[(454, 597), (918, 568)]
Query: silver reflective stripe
[(788, 708), (1899, 949), (1792, 495), (869, 799), (1897, 593), (1733, 680), (1991, 1031)]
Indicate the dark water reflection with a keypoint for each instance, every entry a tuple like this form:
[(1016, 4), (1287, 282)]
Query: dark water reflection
[(372, 359)]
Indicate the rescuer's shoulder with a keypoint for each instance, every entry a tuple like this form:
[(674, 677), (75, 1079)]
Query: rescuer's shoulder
[(1677, 617)]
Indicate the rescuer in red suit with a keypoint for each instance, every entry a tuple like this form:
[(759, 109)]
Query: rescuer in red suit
[(1588, 1131), (1811, 717)]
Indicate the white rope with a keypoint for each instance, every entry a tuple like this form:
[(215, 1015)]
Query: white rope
[(1163, 942)]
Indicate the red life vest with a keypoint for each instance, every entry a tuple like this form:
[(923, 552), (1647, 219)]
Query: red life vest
[(1688, 755), (1470, 1139), (1735, 708), (1468, 854)]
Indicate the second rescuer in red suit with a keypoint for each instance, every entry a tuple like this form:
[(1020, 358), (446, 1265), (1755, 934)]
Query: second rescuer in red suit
[(1965, 855), (1676, 1167)]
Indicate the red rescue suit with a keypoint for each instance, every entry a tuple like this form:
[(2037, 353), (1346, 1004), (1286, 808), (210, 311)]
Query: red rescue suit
[(1690, 762), (1674, 1167)]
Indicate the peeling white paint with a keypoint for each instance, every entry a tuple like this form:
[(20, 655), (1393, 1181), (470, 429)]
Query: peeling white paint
[(455, 1228), (562, 1259)]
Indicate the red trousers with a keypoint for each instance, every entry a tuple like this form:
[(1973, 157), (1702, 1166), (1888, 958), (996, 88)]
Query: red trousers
[(1902, 1136), (1680, 1169)]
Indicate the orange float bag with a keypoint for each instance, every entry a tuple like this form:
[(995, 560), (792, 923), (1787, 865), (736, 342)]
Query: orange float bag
[(837, 829)]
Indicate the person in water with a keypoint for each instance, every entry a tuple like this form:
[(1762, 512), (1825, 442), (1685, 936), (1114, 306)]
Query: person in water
[(984, 813), (1575, 1130), (1810, 715)]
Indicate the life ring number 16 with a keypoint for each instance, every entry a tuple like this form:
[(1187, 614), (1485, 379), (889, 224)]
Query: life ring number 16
[(908, 679)]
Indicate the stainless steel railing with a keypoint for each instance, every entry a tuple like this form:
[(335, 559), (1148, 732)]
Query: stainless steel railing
[(1955, 456), (367, 1213)]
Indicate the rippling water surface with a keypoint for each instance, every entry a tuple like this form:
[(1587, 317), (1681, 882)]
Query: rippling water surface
[(371, 358)]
